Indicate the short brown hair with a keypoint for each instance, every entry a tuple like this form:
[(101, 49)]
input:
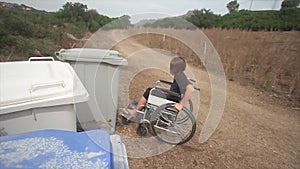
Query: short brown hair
[(177, 65)]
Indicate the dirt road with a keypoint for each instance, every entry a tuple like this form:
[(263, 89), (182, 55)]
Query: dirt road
[(257, 130)]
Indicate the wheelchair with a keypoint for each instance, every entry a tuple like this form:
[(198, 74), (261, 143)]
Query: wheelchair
[(166, 122)]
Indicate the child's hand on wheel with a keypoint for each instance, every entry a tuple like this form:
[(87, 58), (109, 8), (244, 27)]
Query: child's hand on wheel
[(178, 106)]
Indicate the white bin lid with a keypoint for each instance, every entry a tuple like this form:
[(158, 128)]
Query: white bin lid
[(25, 85), (91, 55)]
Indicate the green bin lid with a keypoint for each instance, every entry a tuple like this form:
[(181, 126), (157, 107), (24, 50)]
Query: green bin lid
[(91, 55)]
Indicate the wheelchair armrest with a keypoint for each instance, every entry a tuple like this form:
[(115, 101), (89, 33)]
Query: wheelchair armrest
[(168, 91), (196, 88), (192, 80), (164, 81), (170, 83)]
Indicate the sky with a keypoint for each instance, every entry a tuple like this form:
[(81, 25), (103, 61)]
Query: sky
[(148, 8)]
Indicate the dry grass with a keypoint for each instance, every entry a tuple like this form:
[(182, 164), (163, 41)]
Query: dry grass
[(268, 60)]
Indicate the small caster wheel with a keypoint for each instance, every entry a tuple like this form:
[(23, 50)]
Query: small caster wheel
[(141, 130)]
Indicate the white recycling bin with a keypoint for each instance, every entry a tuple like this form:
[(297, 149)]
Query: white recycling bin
[(38, 95), (98, 69)]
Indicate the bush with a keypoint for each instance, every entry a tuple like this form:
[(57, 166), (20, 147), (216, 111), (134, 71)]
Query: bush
[(174, 22)]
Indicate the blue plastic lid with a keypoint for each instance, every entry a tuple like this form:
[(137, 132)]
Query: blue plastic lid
[(56, 149)]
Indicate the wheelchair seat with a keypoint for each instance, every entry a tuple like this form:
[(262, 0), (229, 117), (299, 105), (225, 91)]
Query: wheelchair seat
[(159, 96)]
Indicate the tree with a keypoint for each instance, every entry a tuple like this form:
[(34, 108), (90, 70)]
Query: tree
[(172, 22), (75, 7), (79, 15), (290, 4), (233, 6), (203, 18), (73, 11), (121, 23)]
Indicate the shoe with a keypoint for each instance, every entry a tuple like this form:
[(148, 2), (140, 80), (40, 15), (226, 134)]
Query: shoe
[(127, 115), (132, 105)]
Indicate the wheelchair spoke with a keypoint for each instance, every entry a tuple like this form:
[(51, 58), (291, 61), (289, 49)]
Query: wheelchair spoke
[(165, 129), (174, 134), (163, 122), (167, 112), (167, 116), (169, 127), (181, 131)]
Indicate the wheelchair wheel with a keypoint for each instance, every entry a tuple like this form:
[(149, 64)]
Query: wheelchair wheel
[(167, 128), (184, 118)]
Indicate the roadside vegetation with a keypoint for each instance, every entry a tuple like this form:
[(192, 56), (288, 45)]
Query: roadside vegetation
[(286, 19), (24, 29), (260, 46)]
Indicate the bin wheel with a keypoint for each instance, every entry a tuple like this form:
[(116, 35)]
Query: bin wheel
[(142, 130)]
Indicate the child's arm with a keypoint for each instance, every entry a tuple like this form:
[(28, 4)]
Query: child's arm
[(187, 95)]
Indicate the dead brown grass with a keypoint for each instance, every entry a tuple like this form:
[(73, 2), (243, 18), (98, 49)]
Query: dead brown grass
[(168, 43), (268, 60)]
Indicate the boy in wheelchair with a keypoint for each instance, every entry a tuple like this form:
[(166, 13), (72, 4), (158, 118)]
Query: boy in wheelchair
[(180, 91)]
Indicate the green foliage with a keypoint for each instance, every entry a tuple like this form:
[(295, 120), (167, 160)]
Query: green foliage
[(173, 22), (17, 24), (78, 15), (284, 20), (204, 18), (233, 6), (95, 21), (24, 29), (122, 23), (74, 10), (249, 20), (290, 4), (290, 19)]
